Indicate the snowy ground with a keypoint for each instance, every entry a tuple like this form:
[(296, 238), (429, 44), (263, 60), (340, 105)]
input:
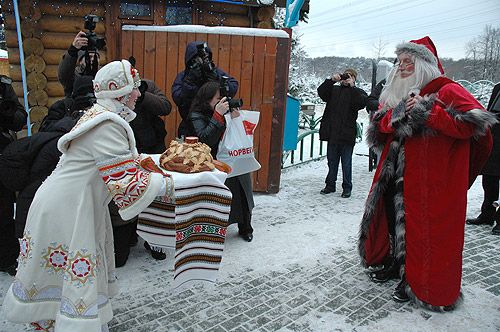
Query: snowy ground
[(301, 272)]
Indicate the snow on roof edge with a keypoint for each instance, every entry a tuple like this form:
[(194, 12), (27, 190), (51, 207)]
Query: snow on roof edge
[(256, 32)]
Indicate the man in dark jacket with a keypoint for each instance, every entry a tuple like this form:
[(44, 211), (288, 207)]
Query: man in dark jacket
[(149, 133), (199, 70), (338, 126), (148, 127), (76, 61), (12, 118), (491, 173)]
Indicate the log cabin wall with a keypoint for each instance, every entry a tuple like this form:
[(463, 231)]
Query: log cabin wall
[(260, 64), (48, 29)]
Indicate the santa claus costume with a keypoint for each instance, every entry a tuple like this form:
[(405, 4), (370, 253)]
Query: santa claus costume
[(66, 263), (430, 156)]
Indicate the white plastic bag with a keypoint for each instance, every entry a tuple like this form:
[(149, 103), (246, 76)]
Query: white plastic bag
[(236, 146)]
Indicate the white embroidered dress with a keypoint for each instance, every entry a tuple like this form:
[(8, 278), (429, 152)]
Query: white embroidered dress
[(66, 262)]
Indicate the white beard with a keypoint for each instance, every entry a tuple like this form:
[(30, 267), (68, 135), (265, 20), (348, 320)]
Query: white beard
[(398, 89)]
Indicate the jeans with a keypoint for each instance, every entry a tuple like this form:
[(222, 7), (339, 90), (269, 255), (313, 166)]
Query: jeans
[(336, 153)]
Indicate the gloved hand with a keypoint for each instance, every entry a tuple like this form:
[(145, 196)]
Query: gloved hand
[(211, 75), (195, 74)]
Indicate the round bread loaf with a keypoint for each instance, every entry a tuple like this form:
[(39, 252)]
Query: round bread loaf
[(188, 157)]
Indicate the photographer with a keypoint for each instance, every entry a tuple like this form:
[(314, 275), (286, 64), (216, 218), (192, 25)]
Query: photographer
[(206, 117), (199, 70), (82, 57), (338, 126), (149, 133), (12, 118)]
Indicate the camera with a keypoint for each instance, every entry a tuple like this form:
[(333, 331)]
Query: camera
[(224, 92), (94, 42), (204, 54), (344, 76)]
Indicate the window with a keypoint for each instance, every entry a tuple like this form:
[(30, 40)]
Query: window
[(135, 8), (179, 13)]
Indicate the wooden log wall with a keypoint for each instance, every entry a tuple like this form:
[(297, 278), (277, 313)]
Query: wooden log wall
[(251, 60), (47, 29)]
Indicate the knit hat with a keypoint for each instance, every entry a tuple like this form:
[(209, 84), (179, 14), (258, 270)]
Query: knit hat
[(351, 72), (423, 48), (116, 79)]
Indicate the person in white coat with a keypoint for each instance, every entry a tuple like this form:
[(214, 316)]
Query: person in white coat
[(66, 267)]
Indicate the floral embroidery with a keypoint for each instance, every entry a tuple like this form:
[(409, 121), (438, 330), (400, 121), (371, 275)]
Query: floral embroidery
[(124, 180), (25, 248), (56, 258), (81, 268)]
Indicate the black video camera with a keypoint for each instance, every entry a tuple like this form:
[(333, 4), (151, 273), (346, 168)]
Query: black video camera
[(204, 54), (344, 76), (94, 42), (224, 92)]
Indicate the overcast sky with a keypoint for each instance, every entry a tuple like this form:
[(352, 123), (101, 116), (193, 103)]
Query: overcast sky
[(351, 28)]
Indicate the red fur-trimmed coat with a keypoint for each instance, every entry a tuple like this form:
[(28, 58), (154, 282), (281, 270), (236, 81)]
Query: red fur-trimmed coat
[(434, 154)]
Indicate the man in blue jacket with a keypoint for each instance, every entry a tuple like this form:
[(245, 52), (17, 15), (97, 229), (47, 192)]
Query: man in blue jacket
[(199, 70)]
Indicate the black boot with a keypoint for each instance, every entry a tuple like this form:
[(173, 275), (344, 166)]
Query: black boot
[(390, 271), (496, 229), (155, 253), (400, 294), (479, 221), (327, 190)]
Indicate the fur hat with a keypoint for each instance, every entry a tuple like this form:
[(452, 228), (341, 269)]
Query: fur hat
[(423, 48), (116, 79), (352, 72)]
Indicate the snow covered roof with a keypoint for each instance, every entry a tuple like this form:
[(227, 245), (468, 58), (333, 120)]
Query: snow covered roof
[(212, 30)]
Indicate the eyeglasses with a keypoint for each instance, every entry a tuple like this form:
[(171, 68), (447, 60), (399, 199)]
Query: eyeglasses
[(404, 64)]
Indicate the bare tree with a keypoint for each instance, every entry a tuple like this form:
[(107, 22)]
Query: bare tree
[(483, 53), (379, 48)]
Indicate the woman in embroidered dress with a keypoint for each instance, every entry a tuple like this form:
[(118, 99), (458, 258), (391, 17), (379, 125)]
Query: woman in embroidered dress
[(66, 263), (206, 120)]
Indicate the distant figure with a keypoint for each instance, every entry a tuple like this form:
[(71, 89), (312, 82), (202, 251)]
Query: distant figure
[(338, 126), (491, 173), (384, 67), (435, 139)]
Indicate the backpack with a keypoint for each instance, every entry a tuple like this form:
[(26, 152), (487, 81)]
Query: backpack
[(17, 158)]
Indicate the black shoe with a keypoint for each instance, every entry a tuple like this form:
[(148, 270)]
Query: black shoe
[(247, 237), (479, 221), (158, 255), (387, 273), (11, 269), (346, 194), (496, 229), (399, 294), (327, 190)]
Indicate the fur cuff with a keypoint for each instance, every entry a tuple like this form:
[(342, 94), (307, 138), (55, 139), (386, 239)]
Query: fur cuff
[(412, 122), (481, 119), (373, 136)]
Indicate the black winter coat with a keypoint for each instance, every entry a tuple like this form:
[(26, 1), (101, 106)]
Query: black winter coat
[(206, 128), (149, 128), (12, 114), (372, 100), (492, 166), (66, 70), (183, 91), (338, 124), (43, 165)]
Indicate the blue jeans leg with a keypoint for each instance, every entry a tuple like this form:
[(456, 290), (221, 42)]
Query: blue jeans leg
[(333, 157), (346, 159)]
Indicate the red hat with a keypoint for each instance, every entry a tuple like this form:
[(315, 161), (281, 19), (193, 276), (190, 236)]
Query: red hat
[(423, 48)]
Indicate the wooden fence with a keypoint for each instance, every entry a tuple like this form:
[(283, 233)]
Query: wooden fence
[(257, 58)]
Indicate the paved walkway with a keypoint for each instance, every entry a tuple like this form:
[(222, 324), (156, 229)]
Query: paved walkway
[(301, 273)]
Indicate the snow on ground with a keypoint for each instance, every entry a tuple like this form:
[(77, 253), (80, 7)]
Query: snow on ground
[(300, 227)]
